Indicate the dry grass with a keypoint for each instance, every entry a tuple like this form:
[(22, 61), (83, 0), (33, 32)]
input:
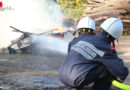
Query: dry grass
[(36, 73)]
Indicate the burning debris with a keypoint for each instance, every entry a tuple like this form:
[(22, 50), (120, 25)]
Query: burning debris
[(22, 43), (37, 43)]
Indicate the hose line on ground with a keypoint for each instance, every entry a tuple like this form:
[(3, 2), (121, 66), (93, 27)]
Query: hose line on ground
[(120, 85)]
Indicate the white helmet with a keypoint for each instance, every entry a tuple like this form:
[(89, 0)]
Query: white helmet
[(86, 23), (113, 26)]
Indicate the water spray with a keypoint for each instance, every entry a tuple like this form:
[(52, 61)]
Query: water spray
[(46, 43)]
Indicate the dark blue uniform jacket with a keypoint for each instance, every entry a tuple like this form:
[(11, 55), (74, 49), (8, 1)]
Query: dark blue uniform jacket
[(75, 40), (87, 54)]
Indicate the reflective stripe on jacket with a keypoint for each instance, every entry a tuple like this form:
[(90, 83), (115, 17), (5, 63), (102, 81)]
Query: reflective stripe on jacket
[(87, 54)]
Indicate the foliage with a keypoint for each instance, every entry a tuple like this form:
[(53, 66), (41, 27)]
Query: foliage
[(78, 2), (74, 13), (72, 10)]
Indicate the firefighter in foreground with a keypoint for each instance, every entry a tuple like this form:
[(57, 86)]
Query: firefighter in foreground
[(85, 28), (93, 60)]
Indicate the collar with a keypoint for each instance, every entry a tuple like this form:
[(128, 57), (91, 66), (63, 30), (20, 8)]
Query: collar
[(85, 35), (103, 37)]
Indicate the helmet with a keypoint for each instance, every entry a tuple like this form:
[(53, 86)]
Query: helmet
[(86, 23), (113, 26)]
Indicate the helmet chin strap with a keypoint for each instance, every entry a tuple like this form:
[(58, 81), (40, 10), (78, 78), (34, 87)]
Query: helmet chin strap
[(117, 40), (109, 37), (113, 43)]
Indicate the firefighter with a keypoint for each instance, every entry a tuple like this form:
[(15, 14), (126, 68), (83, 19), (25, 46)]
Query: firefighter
[(85, 27), (91, 60)]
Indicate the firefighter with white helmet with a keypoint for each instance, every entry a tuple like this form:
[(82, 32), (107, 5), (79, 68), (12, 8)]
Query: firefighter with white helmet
[(92, 60), (86, 22), (85, 28), (113, 26)]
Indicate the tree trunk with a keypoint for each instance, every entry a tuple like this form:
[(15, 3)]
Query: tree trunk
[(100, 10)]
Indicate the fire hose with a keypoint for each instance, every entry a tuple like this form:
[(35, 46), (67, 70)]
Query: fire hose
[(120, 85)]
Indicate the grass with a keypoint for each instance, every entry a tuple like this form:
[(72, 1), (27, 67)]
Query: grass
[(124, 36)]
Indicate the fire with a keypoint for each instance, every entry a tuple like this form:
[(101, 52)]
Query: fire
[(61, 29), (58, 27)]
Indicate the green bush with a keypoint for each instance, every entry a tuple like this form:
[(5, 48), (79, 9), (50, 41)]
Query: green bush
[(72, 10)]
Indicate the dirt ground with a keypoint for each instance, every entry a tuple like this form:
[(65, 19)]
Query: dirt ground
[(24, 70), (39, 72), (123, 49)]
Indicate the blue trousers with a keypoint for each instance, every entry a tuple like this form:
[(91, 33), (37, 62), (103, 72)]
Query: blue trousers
[(100, 77)]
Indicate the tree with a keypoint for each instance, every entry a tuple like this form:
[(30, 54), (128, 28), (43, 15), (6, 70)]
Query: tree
[(72, 8)]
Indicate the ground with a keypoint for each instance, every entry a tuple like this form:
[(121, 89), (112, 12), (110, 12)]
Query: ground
[(36, 72)]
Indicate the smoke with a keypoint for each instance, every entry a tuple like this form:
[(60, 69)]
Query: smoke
[(45, 44), (34, 16)]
